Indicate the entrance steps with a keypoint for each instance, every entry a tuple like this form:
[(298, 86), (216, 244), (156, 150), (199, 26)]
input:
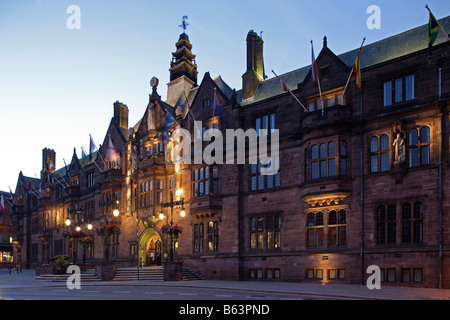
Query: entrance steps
[(124, 274), (151, 274), (145, 273), (88, 275)]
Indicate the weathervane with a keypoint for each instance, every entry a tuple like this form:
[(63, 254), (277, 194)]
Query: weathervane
[(184, 24)]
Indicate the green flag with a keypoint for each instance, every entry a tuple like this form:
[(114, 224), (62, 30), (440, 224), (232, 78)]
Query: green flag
[(433, 30), (84, 156)]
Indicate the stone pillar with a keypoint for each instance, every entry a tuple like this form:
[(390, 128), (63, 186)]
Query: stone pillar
[(173, 271)]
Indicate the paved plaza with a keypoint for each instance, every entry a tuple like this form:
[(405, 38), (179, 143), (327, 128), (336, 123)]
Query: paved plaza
[(26, 280)]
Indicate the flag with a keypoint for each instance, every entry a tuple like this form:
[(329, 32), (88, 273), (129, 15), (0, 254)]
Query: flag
[(314, 68), (283, 85), (217, 107), (170, 122), (111, 153), (2, 203), (189, 119), (12, 194), (51, 166), (433, 30), (84, 155), (357, 68), (286, 89), (29, 187), (92, 146)]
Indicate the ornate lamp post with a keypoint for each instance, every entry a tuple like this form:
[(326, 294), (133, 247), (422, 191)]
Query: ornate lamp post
[(171, 205)]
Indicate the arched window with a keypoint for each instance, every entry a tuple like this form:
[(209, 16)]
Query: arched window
[(314, 229), (323, 160), (337, 228)]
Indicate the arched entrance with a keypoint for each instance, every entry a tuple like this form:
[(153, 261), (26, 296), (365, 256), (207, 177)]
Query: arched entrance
[(150, 248)]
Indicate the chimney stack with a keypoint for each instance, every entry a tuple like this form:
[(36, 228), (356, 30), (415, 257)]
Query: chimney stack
[(121, 114), (46, 155), (255, 65)]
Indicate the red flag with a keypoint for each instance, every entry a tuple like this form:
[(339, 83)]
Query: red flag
[(357, 68), (51, 166), (314, 68), (285, 88), (2, 203)]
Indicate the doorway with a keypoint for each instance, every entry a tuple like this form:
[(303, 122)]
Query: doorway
[(150, 248)]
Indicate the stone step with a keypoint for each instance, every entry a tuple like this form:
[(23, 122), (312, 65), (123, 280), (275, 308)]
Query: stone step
[(151, 273), (88, 275), (145, 273)]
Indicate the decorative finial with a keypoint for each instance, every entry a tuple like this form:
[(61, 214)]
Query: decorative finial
[(184, 24), (324, 41), (154, 82), (260, 34)]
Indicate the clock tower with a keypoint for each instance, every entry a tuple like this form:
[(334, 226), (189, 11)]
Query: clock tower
[(183, 70)]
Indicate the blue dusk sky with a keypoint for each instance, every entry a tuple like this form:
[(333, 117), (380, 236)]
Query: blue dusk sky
[(58, 85)]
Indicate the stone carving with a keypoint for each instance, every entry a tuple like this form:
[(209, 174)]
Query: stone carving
[(399, 148)]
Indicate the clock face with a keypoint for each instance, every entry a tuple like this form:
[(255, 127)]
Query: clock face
[(154, 82)]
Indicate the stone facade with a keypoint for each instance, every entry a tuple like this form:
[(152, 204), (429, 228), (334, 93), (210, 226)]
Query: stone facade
[(344, 197)]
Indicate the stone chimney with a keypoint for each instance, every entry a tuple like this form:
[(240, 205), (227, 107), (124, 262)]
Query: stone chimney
[(255, 65), (121, 114), (46, 155)]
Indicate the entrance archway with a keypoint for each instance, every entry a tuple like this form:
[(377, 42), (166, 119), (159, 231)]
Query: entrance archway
[(150, 248)]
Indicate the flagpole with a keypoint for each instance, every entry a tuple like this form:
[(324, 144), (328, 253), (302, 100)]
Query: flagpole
[(174, 120), (97, 166), (26, 187), (348, 80), (306, 110), (318, 77), (12, 194), (40, 185), (351, 72), (320, 92), (67, 171), (63, 179), (448, 38), (189, 110), (95, 148)]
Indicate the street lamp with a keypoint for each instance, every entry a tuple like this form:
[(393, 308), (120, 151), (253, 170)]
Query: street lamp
[(172, 204), (116, 210)]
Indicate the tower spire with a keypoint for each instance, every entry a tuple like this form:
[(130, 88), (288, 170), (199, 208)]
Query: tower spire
[(183, 68)]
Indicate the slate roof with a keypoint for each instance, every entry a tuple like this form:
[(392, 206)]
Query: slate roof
[(372, 54)]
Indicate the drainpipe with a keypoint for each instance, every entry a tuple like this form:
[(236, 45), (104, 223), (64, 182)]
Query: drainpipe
[(241, 247), (440, 201), (361, 163), (440, 62)]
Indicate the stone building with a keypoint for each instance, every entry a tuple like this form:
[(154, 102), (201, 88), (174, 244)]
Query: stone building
[(360, 180), (6, 247)]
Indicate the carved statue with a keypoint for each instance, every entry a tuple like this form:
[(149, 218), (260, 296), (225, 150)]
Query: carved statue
[(399, 145)]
